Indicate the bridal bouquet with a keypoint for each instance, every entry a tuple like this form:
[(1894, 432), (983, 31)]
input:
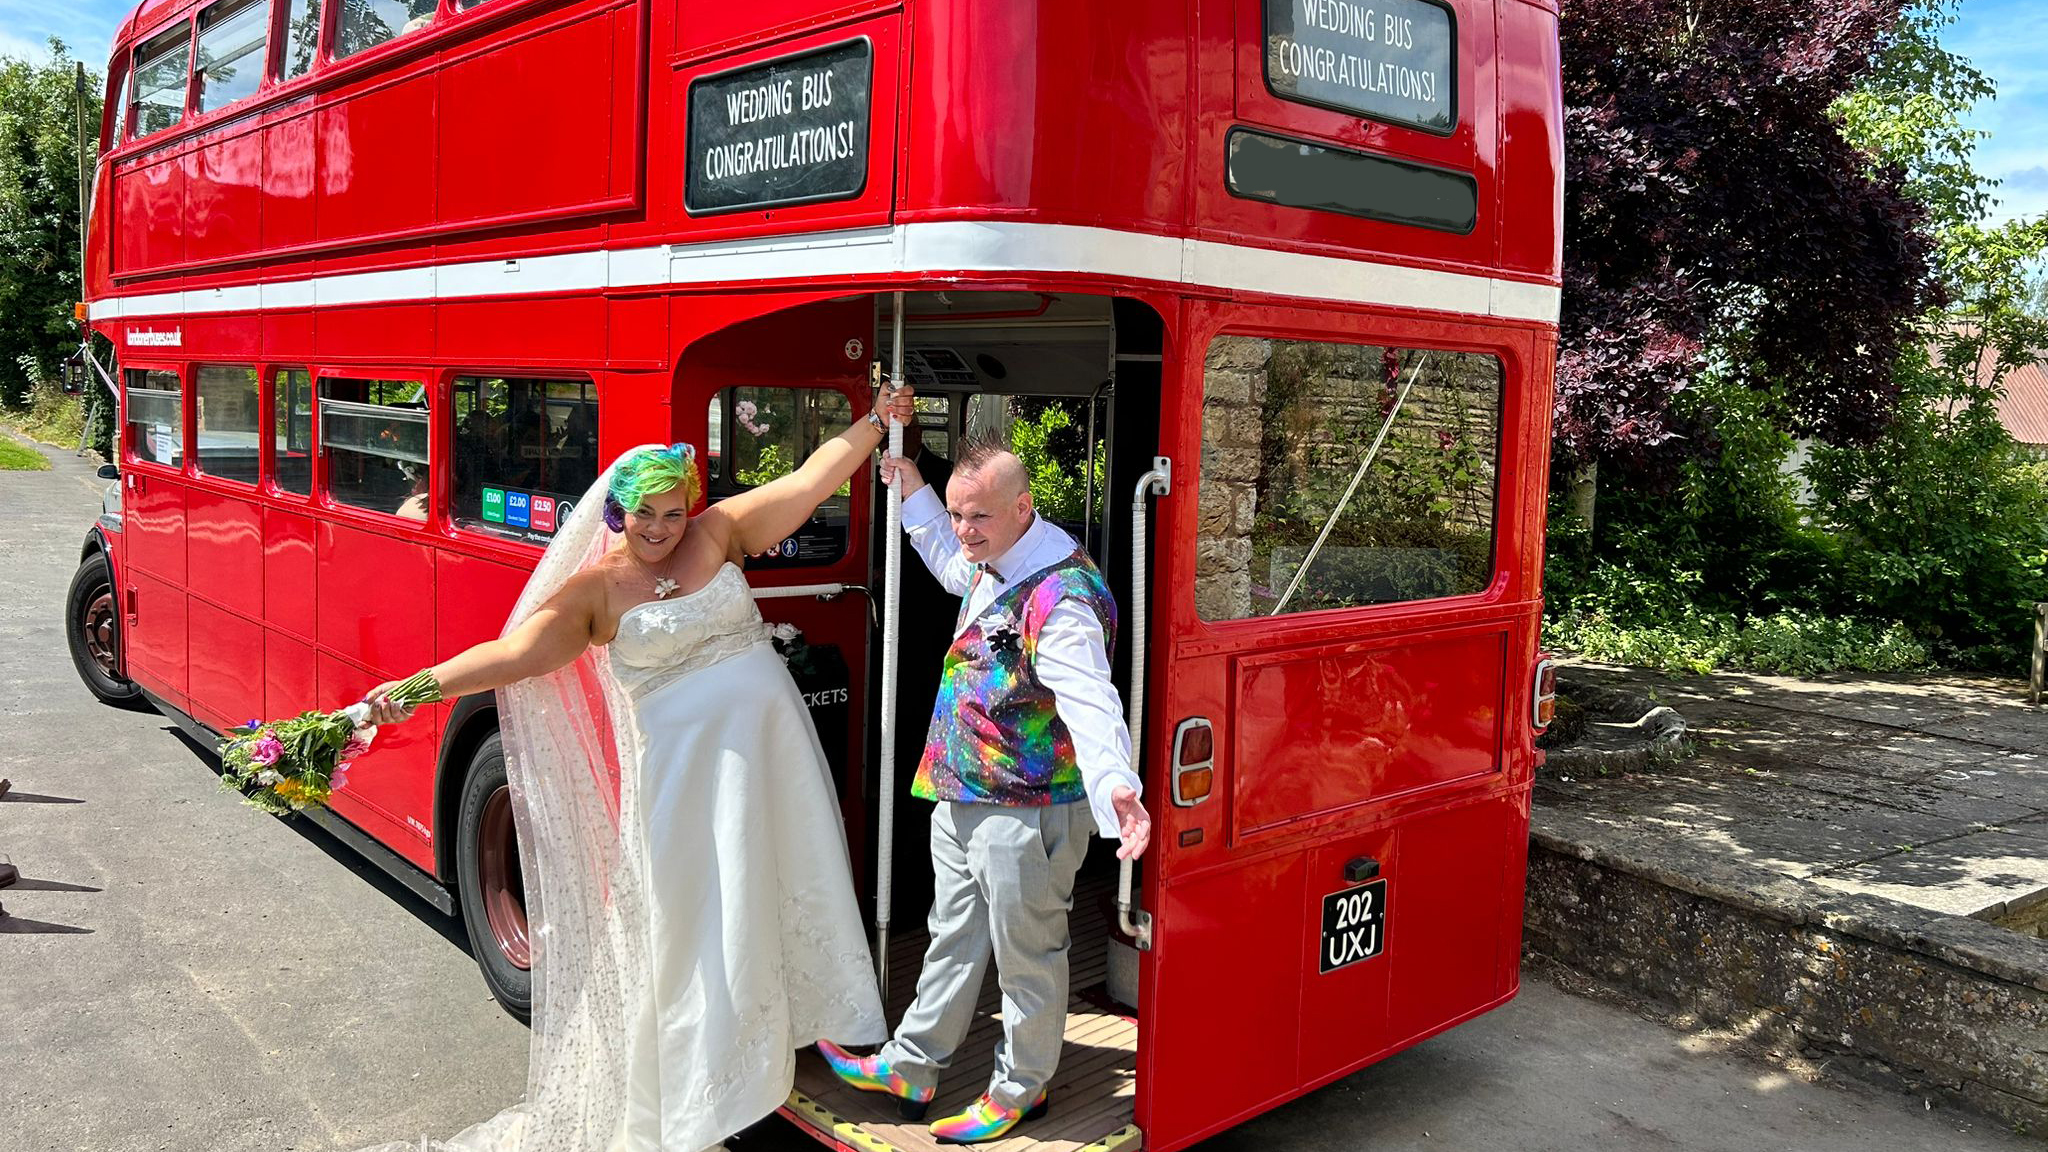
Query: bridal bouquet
[(291, 765)]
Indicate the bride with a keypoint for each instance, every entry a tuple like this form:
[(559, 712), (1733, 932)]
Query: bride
[(697, 925)]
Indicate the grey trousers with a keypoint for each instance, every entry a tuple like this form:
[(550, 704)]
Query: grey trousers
[(1004, 885)]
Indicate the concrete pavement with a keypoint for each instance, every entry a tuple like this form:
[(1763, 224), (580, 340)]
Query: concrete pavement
[(182, 972)]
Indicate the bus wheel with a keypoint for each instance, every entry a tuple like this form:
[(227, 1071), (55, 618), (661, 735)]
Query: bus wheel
[(92, 625), (489, 882)]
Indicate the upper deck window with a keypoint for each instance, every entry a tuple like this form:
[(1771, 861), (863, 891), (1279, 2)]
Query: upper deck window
[(1340, 475), (524, 449), (374, 435), (232, 36), (159, 85), (301, 38), (156, 416), (368, 23)]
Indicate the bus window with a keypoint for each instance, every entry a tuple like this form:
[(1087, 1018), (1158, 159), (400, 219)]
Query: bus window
[(118, 107), (758, 434), (292, 428), (232, 36), (368, 23), (374, 435), (159, 84), (156, 417), (226, 439), (301, 38), (1293, 519), (524, 449)]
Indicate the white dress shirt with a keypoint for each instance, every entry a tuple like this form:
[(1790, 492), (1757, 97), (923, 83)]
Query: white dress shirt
[(1072, 657)]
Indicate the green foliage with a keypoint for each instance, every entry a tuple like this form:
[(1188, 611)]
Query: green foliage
[(39, 236), (1058, 484), (1792, 642), (18, 457), (769, 465)]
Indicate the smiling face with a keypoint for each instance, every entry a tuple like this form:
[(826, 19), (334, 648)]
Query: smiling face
[(655, 528), (990, 507)]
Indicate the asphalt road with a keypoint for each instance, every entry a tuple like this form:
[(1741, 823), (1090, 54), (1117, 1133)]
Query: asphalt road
[(178, 971)]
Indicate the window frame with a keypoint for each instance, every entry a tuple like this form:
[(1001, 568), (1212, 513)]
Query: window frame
[(198, 465), (431, 382), (1501, 343), (262, 54), (268, 439), (444, 434), (136, 67), (126, 447), (718, 488)]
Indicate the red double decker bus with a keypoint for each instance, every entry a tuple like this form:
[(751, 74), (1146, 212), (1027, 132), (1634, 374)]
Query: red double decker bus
[(1264, 292)]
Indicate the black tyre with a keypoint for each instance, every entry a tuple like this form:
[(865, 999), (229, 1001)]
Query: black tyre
[(488, 881), (92, 626)]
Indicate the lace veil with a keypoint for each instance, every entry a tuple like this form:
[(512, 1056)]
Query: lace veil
[(570, 759)]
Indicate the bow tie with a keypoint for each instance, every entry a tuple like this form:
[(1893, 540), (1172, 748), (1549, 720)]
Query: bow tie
[(985, 566)]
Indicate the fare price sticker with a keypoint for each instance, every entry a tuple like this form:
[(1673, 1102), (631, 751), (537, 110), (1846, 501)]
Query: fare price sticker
[(1392, 60)]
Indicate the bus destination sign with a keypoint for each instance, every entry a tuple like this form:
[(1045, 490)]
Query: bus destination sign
[(1390, 60), (791, 131)]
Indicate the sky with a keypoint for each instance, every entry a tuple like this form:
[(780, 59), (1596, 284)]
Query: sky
[(2003, 38)]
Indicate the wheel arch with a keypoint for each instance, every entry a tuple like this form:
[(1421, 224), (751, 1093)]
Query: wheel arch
[(470, 723)]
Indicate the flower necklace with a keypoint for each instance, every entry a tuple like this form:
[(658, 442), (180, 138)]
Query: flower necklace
[(663, 584)]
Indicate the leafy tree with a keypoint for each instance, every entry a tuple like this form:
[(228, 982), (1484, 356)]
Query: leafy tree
[(1712, 202), (39, 236)]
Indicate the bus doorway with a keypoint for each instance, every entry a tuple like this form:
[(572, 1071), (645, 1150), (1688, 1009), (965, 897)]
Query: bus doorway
[(1070, 382)]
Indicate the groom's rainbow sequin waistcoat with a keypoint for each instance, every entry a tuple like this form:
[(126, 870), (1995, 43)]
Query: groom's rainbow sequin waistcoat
[(995, 736)]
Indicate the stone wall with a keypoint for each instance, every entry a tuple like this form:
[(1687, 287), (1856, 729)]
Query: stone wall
[(1942, 1006)]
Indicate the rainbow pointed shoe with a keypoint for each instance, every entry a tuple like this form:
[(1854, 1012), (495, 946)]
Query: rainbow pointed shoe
[(985, 1120), (873, 1074)]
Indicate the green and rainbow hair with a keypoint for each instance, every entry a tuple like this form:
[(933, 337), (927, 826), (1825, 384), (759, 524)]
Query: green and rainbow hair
[(645, 471)]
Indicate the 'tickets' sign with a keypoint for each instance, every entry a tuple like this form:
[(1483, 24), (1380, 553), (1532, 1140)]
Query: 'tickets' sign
[(791, 131), (1391, 60)]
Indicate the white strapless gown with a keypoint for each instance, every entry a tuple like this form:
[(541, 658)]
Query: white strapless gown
[(757, 943)]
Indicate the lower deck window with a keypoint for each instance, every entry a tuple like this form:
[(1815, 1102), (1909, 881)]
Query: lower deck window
[(525, 450), (374, 436), (156, 417), (760, 434), (1298, 511), (292, 429), (228, 428)]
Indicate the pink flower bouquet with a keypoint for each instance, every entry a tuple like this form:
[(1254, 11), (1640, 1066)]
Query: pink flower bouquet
[(290, 765)]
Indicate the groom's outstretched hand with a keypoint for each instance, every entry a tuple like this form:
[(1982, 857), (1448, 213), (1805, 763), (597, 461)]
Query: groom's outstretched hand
[(1133, 823), (894, 466)]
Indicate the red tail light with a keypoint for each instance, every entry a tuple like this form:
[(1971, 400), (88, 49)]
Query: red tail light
[(1543, 700), (1194, 762)]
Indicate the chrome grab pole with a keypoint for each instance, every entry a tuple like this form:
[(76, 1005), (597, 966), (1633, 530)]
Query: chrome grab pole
[(892, 595), (1134, 921)]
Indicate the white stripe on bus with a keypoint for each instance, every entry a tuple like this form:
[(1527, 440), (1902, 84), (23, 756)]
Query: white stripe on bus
[(952, 246)]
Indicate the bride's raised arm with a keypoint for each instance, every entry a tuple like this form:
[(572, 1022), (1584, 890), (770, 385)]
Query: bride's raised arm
[(553, 637), (758, 519)]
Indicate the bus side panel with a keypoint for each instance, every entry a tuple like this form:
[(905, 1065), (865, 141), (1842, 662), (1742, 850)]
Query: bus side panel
[(222, 205), (155, 635), (1224, 996), (291, 680), (1443, 917), (475, 598), (391, 793), (1532, 141), (149, 200), (225, 666), (375, 149), (288, 586)]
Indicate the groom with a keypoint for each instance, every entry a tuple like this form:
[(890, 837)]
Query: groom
[(1027, 750)]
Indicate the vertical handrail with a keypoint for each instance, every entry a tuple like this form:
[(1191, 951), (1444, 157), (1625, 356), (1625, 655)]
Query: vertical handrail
[(1135, 922), (892, 595)]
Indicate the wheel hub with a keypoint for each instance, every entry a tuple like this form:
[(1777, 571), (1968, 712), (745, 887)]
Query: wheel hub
[(96, 628), (499, 880)]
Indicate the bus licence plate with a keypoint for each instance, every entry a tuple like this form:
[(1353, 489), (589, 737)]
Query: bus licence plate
[(1354, 925)]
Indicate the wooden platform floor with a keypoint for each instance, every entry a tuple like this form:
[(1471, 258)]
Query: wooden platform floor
[(1092, 1093)]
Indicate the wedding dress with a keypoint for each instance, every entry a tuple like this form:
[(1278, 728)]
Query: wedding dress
[(695, 924)]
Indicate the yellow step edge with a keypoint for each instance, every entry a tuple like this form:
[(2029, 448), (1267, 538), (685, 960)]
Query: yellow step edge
[(1125, 1139)]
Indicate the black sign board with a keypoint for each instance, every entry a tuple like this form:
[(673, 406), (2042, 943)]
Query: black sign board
[(791, 131), (1393, 60)]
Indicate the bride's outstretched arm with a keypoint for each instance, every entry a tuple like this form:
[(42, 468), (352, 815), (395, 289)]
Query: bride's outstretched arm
[(555, 635), (760, 518)]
